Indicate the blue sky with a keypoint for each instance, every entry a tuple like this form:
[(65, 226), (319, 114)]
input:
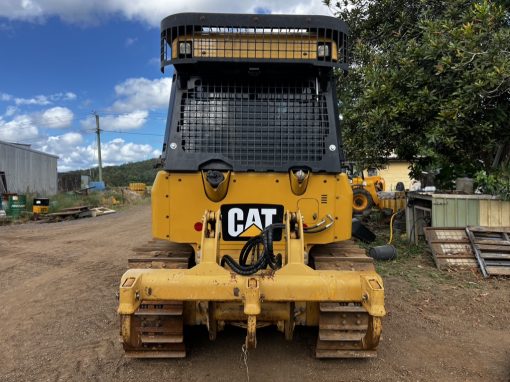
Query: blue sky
[(60, 60)]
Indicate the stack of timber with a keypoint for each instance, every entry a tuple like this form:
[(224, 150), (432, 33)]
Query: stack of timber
[(485, 247), (450, 247), (100, 211), (70, 213), (491, 247)]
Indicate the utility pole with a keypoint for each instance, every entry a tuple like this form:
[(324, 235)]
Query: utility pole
[(100, 164)]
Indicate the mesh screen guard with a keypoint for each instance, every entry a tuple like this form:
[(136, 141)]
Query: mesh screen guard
[(188, 38), (254, 125)]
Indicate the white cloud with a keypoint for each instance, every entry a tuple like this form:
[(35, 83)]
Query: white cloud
[(20, 128), (10, 111), (124, 121), (130, 41), (67, 96), (56, 118), (150, 12), (37, 100), (61, 143), (118, 151), (154, 61), (41, 99), (142, 94), (25, 127), (73, 155)]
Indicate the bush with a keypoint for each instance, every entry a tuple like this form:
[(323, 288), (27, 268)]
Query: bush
[(496, 183)]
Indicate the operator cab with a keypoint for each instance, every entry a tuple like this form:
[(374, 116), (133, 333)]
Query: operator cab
[(252, 96)]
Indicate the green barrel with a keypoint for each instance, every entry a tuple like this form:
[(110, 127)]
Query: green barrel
[(17, 204)]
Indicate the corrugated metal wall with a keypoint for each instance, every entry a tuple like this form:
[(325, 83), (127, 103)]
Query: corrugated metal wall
[(27, 170), (494, 213), (475, 210), (455, 211)]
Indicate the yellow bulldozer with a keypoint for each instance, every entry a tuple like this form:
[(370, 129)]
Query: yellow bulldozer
[(251, 214)]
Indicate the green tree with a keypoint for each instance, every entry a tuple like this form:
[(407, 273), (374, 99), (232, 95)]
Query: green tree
[(122, 175), (430, 82)]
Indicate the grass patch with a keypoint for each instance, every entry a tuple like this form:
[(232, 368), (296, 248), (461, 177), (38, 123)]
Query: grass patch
[(414, 262), (114, 198)]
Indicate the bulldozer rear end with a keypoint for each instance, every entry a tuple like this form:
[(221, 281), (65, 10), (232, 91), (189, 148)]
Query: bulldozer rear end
[(251, 213)]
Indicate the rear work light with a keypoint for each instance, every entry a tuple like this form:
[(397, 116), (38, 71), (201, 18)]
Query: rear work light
[(185, 48), (323, 50)]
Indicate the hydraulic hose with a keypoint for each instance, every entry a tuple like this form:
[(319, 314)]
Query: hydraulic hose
[(260, 250), (391, 224)]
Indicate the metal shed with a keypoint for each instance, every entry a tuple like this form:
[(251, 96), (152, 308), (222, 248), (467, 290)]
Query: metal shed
[(28, 170), (454, 210)]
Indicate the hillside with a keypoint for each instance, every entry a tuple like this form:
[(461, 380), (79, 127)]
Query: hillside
[(124, 174)]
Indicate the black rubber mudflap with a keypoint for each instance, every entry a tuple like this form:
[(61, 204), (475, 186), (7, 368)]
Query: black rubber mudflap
[(361, 232)]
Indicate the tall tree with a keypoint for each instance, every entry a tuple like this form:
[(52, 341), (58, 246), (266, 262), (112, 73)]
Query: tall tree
[(430, 82)]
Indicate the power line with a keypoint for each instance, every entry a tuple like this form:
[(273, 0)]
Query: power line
[(131, 133), (118, 113)]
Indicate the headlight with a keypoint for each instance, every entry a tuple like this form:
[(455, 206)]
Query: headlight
[(185, 48), (364, 183), (323, 50)]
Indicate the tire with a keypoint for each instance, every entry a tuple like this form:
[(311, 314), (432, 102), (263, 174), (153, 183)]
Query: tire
[(383, 252), (400, 186), (361, 200)]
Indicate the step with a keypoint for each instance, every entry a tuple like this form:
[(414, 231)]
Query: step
[(162, 339), (337, 307), (330, 353), (340, 335), (177, 351), (159, 308)]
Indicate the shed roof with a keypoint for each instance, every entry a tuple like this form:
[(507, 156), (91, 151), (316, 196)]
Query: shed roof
[(27, 148)]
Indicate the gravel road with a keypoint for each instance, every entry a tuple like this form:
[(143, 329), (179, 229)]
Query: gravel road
[(58, 321)]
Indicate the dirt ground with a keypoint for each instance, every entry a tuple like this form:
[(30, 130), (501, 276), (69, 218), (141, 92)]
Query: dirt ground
[(58, 321)]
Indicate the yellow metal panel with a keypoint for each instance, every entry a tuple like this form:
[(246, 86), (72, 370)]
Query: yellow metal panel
[(309, 209), (398, 202), (161, 206), (40, 209), (179, 201), (210, 282), (294, 47), (137, 187), (494, 213)]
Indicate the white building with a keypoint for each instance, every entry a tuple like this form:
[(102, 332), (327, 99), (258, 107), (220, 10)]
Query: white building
[(27, 170)]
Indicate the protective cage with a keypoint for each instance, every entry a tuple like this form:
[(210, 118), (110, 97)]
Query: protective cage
[(194, 37), (254, 125)]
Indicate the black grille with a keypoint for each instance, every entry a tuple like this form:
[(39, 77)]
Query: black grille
[(255, 123)]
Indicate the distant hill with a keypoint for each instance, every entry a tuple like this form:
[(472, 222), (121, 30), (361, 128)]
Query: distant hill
[(124, 174)]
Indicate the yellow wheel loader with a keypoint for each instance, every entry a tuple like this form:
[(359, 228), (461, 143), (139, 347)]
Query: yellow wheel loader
[(365, 189), (251, 214)]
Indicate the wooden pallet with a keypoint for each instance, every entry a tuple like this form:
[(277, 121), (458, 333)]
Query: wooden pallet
[(450, 247), (491, 246)]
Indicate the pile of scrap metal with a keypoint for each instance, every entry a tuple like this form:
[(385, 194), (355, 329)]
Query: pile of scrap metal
[(77, 213)]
